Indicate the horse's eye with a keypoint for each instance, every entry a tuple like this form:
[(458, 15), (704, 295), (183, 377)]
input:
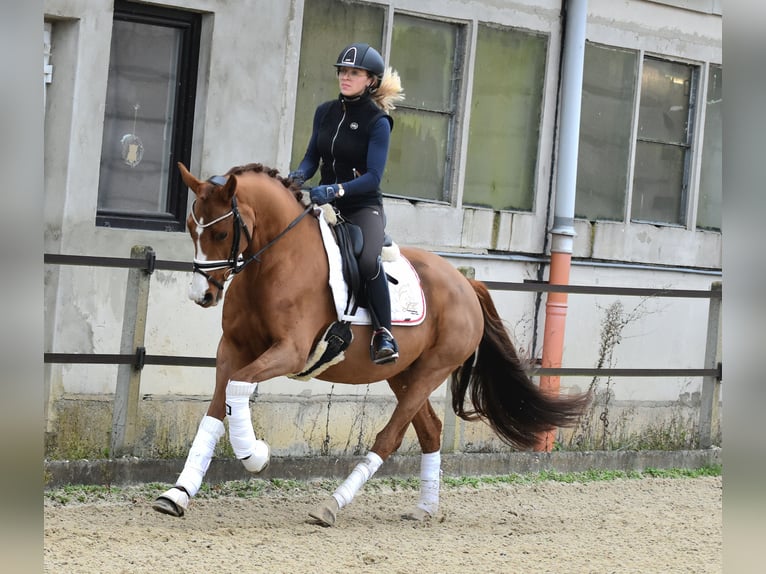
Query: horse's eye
[(221, 235)]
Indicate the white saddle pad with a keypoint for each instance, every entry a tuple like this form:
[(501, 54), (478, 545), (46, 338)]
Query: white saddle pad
[(408, 304)]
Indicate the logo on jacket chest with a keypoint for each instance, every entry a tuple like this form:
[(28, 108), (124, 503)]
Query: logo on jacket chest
[(353, 126)]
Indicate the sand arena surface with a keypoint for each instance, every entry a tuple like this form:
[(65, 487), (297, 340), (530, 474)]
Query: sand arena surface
[(625, 525)]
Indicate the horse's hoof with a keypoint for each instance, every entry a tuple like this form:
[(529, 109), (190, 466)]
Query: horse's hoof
[(173, 502), (259, 460), (418, 514), (325, 513)]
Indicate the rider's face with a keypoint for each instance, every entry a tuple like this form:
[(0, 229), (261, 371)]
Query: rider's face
[(352, 81)]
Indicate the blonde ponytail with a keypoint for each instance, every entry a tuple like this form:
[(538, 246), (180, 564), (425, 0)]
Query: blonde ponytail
[(390, 91)]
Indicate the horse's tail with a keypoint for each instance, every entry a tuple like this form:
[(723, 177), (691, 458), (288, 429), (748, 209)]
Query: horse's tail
[(502, 393)]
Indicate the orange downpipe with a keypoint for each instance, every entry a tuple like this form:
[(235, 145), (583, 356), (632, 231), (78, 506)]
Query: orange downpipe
[(553, 338)]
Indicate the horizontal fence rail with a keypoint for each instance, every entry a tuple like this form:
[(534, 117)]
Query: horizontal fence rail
[(149, 264)]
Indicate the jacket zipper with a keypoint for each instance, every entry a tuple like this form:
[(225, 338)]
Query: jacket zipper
[(332, 145)]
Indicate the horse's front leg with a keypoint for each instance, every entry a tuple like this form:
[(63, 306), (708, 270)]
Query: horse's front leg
[(279, 359), (175, 501), (230, 398)]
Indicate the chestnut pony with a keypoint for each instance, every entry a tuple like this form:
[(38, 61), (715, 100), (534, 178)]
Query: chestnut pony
[(252, 224)]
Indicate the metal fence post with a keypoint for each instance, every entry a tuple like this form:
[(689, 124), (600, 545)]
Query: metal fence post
[(125, 414), (709, 420)]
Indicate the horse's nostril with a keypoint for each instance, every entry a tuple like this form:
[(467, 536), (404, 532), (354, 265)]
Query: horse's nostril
[(208, 298)]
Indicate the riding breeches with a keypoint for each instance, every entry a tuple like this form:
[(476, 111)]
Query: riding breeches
[(372, 222)]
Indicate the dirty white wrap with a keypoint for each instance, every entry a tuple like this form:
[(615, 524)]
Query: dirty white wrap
[(430, 476), (345, 493)]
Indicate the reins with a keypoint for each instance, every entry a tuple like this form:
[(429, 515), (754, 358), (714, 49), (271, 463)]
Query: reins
[(236, 262)]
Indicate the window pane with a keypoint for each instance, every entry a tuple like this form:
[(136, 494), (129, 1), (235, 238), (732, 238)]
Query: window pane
[(505, 119), (328, 26), (664, 111), (416, 166), (657, 180), (423, 52), (660, 179), (608, 92), (709, 209), (139, 118)]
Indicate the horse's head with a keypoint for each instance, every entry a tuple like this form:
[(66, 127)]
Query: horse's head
[(218, 232)]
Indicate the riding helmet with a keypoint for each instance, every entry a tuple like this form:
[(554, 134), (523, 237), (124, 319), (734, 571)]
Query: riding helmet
[(362, 56)]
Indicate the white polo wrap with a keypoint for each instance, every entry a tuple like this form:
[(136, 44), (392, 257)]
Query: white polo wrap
[(253, 453), (430, 477), (201, 452), (345, 493)]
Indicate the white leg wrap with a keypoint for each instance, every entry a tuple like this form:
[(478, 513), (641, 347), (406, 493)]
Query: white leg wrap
[(345, 493), (200, 454), (430, 477), (253, 453)]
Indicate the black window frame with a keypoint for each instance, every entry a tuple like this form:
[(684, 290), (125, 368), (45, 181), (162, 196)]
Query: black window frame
[(190, 24)]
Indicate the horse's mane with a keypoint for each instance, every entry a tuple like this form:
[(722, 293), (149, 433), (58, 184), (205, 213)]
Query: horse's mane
[(271, 172)]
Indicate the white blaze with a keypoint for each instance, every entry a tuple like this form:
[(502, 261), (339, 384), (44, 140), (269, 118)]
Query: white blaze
[(198, 283)]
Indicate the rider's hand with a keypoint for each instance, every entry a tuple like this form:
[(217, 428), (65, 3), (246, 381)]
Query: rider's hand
[(323, 193), (297, 176)]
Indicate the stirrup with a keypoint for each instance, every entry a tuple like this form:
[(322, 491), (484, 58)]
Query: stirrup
[(383, 347)]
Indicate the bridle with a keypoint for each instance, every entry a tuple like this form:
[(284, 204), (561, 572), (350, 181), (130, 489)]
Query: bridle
[(236, 262)]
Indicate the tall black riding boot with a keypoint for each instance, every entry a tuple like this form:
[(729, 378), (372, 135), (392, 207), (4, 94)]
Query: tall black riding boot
[(383, 348)]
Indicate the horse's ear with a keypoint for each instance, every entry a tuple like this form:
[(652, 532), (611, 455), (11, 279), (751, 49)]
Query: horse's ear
[(229, 187), (192, 182)]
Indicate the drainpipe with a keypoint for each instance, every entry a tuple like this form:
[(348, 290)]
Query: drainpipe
[(563, 233)]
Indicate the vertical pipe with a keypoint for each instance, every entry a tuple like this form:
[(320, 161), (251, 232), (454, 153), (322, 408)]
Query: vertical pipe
[(562, 233)]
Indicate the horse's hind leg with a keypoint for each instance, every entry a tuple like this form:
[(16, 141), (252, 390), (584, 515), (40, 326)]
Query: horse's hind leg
[(412, 395), (428, 427)]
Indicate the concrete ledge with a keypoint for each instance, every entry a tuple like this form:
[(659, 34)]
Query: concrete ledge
[(126, 471)]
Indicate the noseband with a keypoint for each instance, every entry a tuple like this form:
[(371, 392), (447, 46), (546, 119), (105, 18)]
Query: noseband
[(236, 262)]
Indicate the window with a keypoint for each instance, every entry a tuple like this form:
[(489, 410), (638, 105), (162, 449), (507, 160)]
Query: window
[(327, 26), (661, 172), (606, 118), (149, 115), (426, 53), (506, 110), (658, 153), (709, 208)]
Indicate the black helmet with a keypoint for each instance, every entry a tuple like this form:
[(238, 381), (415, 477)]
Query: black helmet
[(362, 56)]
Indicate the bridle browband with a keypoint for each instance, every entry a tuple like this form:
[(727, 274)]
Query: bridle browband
[(236, 262)]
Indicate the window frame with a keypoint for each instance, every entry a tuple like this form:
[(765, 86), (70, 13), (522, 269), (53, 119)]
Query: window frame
[(455, 112), (190, 25), (691, 147)]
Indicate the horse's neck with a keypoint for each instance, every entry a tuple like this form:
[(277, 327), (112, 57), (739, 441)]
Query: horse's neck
[(293, 267)]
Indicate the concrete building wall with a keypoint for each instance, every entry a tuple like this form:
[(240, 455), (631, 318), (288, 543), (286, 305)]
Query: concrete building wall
[(244, 112)]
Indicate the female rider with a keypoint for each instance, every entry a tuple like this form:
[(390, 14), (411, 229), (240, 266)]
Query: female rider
[(349, 144)]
